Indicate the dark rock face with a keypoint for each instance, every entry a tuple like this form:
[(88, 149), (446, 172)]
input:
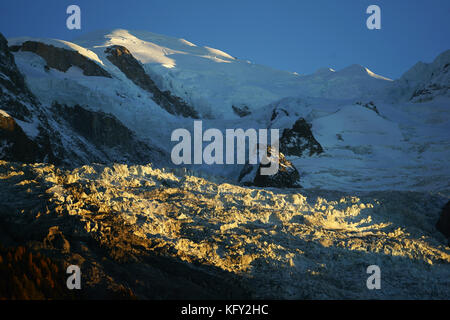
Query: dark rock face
[(14, 143), (82, 136), (241, 111), (286, 177), (428, 92), (14, 94), (443, 224), (26, 282), (13, 81), (370, 105), (100, 128), (62, 59), (18, 101), (299, 140), (122, 58), (112, 140)]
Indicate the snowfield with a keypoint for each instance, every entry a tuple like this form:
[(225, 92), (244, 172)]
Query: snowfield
[(213, 80), (397, 149), (401, 146)]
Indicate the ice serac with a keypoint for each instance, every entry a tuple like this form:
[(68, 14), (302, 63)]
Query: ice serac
[(124, 60), (241, 111)]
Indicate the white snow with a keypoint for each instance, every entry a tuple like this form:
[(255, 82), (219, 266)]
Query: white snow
[(213, 80), (402, 148), (4, 114)]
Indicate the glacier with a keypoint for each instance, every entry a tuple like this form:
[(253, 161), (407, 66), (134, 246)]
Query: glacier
[(374, 193)]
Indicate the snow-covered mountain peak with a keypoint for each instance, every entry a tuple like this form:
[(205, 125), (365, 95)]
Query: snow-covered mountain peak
[(359, 70), (422, 71), (426, 81), (213, 81), (149, 47)]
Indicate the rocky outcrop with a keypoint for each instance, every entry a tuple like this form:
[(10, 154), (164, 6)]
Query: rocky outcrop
[(14, 143), (299, 140), (62, 59), (276, 112), (286, 177), (428, 92), (101, 137), (369, 105), (242, 111), (443, 224), (20, 104), (122, 58), (100, 128), (15, 98)]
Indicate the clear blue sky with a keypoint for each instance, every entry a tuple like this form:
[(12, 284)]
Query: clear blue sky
[(292, 35)]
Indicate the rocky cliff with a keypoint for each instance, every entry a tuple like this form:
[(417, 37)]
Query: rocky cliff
[(33, 132), (124, 60)]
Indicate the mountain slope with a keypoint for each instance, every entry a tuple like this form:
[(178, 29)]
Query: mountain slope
[(32, 131), (426, 81), (214, 81), (362, 121)]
